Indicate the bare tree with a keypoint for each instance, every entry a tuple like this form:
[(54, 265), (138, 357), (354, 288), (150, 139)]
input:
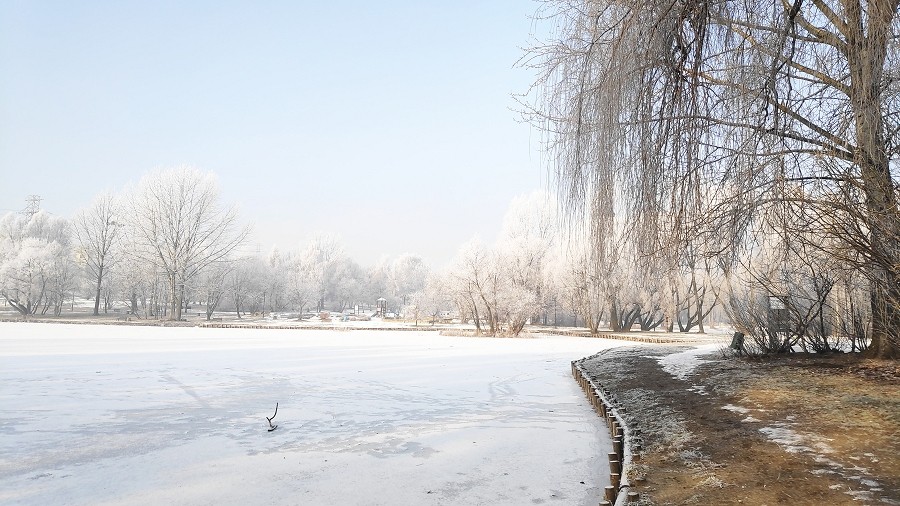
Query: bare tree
[(137, 280), (246, 282), (497, 285), (301, 290), (434, 297), (585, 290), (695, 292), (470, 278), (525, 242), (694, 117), (212, 285), (179, 226), (97, 230)]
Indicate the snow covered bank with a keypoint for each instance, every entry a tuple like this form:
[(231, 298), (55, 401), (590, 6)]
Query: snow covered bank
[(682, 364), (129, 415)]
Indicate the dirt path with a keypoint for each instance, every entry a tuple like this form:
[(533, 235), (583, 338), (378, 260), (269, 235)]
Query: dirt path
[(799, 430)]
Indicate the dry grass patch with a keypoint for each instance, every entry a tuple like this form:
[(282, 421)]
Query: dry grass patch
[(800, 429)]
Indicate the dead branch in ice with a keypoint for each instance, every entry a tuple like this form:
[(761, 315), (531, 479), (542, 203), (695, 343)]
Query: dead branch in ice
[(273, 427)]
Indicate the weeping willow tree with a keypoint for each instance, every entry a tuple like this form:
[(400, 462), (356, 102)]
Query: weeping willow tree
[(693, 118)]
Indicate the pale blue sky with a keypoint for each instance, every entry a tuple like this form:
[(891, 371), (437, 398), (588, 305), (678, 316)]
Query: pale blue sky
[(387, 123)]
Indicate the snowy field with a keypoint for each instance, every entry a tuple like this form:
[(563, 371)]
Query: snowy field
[(148, 415)]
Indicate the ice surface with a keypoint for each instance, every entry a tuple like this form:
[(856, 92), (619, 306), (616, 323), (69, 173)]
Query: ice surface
[(149, 415)]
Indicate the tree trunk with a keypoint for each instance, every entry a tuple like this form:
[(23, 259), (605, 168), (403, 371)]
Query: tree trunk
[(180, 304), (492, 324), (475, 314), (614, 321), (866, 52), (97, 295), (885, 322), (700, 317), (23, 309), (173, 292)]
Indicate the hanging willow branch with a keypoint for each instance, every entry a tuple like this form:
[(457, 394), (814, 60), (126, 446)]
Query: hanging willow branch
[(673, 120)]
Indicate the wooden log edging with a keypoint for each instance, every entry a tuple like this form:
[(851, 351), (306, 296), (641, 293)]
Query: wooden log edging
[(637, 337), (626, 443), (339, 328)]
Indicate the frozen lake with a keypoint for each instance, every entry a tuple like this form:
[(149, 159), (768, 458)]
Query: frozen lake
[(149, 415)]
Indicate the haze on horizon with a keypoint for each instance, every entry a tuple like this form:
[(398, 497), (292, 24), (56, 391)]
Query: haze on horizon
[(391, 127)]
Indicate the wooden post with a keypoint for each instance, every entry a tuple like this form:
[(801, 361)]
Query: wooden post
[(610, 494), (633, 498), (613, 457), (615, 467), (615, 478)]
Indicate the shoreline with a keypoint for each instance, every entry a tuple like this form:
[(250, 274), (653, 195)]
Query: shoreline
[(798, 429)]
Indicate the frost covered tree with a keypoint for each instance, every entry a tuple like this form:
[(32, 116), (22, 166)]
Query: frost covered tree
[(345, 281), (694, 288), (472, 276), (246, 284), (434, 297), (819, 295), (694, 117), (211, 285), (35, 262), (301, 287), (316, 261), (277, 297), (578, 287), (523, 247), (139, 282), (378, 282), (506, 286), (406, 276), (97, 229), (598, 281), (177, 224)]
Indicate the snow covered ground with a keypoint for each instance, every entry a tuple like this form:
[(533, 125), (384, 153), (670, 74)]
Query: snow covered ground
[(682, 364), (148, 415)]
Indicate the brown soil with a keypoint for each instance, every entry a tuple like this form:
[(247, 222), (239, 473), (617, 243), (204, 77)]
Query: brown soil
[(797, 429)]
